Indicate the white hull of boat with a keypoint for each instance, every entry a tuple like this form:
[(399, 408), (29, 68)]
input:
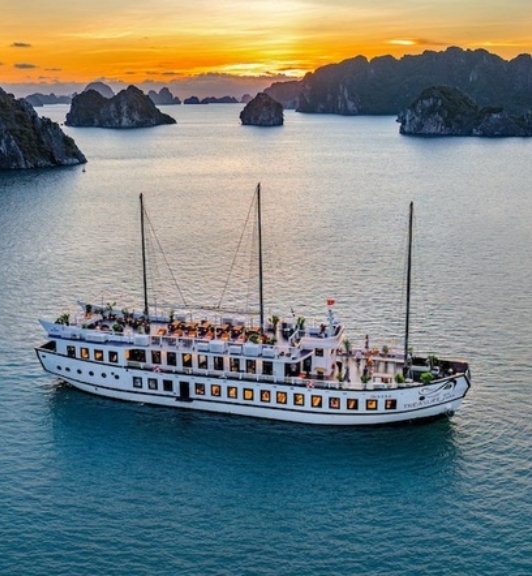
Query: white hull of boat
[(383, 406)]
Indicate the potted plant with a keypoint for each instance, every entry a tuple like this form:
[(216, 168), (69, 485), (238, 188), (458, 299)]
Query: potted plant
[(347, 347), (426, 377), (399, 378), (63, 319), (274, 320)]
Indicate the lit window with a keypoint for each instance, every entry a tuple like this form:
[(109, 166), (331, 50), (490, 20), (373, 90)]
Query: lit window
[(202, 361), (334, 403), (84, 353), (281, 397), (152, 383), (316, 401), (216, 390), (200, 389), (265, 396), (352, 404), (113, 357), (299, 399), (98, 355), (232, 392), (187, 360), (248, 394), (390, 404), (137, 382), (371, 404)]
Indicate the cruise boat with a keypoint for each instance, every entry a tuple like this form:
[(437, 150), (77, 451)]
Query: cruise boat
[(223, 361)]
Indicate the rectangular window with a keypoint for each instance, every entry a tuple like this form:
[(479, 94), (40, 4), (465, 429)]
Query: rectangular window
[(251, 366), (371, 404), (265, 395), (137, 382), (267, 368), (200, 389), (156, 357), (390, 404), (202, 361), (316, 401), (187, 360), (281, 397), (334, 403), (248, 394), (234, 364), (318, 353), (216, 390), (113, 356), (168, 386), (232, 392), (299, 399), (171, 358), (98, 355), (84, 352), (218, 363), (136, 355), (352, 404), (152, 383), (71, 351)]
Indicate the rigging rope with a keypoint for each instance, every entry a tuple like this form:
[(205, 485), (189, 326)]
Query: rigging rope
[(176, 284), (246, 224)]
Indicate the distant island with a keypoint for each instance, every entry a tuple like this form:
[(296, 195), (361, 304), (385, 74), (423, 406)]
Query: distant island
[(211, 100), (130, 108), (28, 141), (163, 98), (447, 111), (262, 111), (386, 85)]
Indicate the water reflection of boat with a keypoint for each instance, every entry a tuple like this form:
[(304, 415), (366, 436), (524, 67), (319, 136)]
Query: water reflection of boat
[(228, 362)]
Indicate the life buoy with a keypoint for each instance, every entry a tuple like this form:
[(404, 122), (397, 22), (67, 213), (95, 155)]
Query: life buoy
[(310, 384)]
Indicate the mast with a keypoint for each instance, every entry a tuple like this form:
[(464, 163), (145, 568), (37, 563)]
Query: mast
[(259, 229), (408, 283), (144, 276)]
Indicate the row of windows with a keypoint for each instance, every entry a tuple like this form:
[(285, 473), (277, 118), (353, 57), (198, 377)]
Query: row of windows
[(153, 384), (298, 399), (218, 364), (112, 355)]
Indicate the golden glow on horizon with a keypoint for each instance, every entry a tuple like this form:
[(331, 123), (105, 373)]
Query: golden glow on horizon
[(132, 40)]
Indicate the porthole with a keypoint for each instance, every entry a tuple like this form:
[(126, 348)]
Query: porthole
[(78, 371), (59, 368), (91, 373), (104, 375)]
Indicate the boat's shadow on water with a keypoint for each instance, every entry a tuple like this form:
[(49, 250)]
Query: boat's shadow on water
[(176, 430)]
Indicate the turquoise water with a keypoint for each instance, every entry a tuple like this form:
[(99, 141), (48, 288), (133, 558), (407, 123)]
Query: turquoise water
[(91, 486)]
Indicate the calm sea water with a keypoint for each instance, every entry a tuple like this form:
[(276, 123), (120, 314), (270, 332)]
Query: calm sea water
[(90, 486)]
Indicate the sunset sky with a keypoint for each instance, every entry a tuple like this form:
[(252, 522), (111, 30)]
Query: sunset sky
[(132, 41)]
